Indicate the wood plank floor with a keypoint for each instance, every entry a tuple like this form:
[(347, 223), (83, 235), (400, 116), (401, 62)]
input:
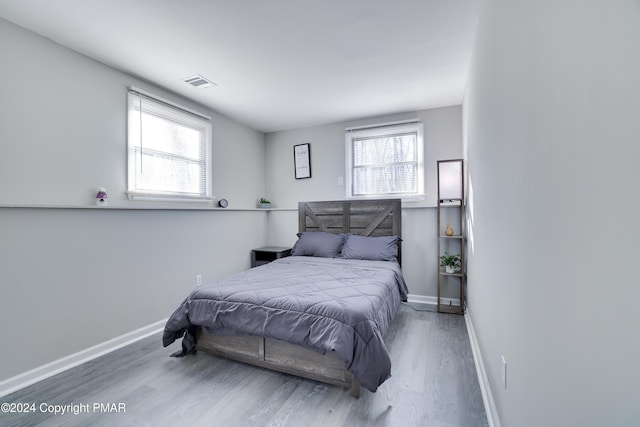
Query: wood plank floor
[(434, 383)]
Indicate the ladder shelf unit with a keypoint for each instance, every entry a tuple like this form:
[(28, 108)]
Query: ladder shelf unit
[(450, 212)]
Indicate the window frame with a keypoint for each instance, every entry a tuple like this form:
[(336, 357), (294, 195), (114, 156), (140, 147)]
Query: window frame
[(205, 147), (382, 130)]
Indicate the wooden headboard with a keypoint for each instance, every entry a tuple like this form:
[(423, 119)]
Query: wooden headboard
[(377, 217)]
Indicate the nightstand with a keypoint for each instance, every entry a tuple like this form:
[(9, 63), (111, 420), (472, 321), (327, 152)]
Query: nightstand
[(265, 255)]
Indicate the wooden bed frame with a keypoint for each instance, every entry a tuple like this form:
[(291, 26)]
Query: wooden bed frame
[(363, 217)]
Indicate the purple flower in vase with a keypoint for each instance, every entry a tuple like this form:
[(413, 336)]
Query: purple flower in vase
[(101, 196)]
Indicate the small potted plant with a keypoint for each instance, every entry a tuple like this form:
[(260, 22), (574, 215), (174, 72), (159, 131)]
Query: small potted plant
[(264, 203), (450, 262)]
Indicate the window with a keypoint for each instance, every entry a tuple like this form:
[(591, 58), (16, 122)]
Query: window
[(385, 161), (169, 150)]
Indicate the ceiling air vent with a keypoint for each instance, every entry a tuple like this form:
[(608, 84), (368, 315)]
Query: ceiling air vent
[(198, 81)]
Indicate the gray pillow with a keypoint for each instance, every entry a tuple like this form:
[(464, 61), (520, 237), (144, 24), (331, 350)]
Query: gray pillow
[(318, 243), (383, 248)]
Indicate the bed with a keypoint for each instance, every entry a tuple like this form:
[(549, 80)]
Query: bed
[(320, 313)]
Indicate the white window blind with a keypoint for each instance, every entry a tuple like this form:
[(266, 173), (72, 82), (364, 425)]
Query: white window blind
[(385, 161), (169, 150)]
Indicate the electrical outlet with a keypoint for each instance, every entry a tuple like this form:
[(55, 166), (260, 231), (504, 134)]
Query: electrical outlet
[(504, 372), (340, 180), (198, 279)]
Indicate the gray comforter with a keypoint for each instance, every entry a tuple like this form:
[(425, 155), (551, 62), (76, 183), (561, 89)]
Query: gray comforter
[(320, 303)]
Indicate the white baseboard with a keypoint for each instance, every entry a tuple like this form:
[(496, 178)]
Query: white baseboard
[(50, 369), (423, 299), (485, 388)]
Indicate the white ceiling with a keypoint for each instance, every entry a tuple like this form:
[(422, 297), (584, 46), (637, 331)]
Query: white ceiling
[(278, 64)]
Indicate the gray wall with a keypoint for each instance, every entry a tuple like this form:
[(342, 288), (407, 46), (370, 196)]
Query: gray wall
[(63, 129), (551, 134), (442, 139), (74, 278)]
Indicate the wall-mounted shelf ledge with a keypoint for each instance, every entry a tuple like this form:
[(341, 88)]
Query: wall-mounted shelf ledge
[(163, 208), (127, 207)]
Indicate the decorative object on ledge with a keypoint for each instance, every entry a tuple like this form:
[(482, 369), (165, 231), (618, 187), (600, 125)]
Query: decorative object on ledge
[(450, 262), (302, 160), (101, 197), (448, 231), (223, 203), (264, 203)]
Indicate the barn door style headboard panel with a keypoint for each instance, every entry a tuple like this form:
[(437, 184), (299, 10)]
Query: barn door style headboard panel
[(378, 217)]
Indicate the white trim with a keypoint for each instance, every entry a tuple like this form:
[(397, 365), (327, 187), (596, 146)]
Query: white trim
[(381, 125), (406, 126), (168, 102), (155, 197), (40, 373), (428, 300), (485, 388), (173, 115)]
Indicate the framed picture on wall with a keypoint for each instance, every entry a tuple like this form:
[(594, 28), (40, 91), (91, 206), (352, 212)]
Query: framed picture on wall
[(302, 160)]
